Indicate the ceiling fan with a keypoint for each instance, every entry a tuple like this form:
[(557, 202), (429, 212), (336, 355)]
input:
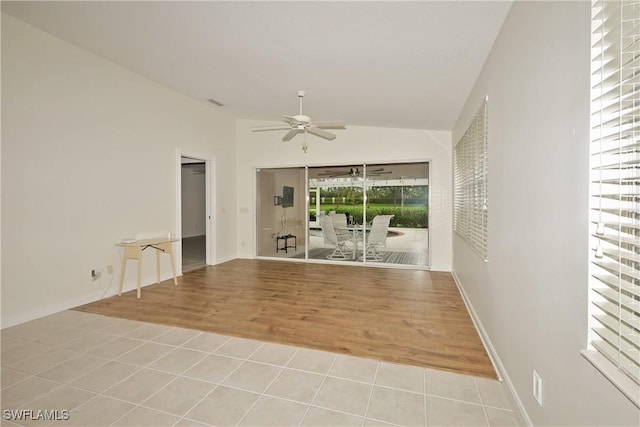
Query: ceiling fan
[(303, 124), (354, 173)]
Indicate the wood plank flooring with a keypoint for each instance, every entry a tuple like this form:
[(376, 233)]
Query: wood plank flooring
[(411, 317)]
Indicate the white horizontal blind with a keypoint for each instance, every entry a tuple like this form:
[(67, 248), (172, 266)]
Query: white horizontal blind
[(615, 185), (470, 183)]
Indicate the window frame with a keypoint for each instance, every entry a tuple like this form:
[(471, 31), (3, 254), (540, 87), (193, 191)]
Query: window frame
[(614, 261), (470, 184)]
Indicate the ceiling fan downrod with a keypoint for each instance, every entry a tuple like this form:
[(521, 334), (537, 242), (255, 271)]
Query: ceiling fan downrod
[(300, 96)]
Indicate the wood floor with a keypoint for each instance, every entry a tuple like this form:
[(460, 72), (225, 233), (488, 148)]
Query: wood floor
[(411, 317)]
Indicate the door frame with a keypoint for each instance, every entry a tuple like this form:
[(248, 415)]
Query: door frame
[(210, 201)]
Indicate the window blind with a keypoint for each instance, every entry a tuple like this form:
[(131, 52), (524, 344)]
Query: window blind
[(615, 189), (470, 183)]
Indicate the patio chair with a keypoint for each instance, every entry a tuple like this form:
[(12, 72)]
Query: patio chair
[(340, 240), (339, 220), (377, 238)]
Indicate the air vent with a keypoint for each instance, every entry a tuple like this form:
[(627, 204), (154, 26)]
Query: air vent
[(214, 102)]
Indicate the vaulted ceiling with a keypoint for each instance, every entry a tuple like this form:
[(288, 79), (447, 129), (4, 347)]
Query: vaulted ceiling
[(390, 64)]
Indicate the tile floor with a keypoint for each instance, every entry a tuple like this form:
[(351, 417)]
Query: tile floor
[(91, 370)]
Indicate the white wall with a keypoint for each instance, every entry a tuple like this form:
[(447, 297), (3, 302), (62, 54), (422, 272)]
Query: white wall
[(356, 144), (89, 157), (531, 296)]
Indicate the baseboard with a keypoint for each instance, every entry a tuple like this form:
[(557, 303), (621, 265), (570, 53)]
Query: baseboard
[(443, 268), (69, 304), (224, 259), (51, 308), (503, 376)]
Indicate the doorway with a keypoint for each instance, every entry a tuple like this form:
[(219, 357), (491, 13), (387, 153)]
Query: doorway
[(193, 185)]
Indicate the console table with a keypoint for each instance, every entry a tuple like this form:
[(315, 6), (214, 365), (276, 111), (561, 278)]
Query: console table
[(285, 239), (133, 250)]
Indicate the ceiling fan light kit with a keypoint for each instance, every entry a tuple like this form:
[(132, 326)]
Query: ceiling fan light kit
[(301, 123)]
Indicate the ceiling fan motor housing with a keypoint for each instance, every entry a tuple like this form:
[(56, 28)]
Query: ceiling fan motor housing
[(302, 119)]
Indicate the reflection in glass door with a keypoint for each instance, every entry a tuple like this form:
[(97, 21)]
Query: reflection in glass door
[(280, 212)]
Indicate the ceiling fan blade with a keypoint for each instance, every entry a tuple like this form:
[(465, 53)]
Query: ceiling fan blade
[(321, 133), (330, 125), (290, 119), (332, 174), (263, 128), (290, 134)]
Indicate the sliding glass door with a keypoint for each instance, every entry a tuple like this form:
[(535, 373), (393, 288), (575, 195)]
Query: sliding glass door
[(334, 210), (400, 190), (281, 225), (337, 194)]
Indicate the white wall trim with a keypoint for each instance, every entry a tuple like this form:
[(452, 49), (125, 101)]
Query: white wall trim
[(491, 351), (210, 204), (178, 204)]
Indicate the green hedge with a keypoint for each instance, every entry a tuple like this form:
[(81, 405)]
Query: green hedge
[(409, 217)]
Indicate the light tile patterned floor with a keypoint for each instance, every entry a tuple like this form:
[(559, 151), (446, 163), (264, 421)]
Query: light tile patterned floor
[(107, 371)]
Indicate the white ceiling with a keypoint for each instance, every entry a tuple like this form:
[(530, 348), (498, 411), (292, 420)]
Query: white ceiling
[(390, 64)]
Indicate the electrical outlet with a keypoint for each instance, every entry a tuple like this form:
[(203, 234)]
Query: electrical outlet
[(96, 273), (110, 269), (537, 387)]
